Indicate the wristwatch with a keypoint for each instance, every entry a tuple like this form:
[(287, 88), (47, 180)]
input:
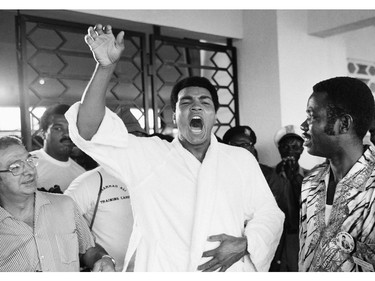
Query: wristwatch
[(112, 259)]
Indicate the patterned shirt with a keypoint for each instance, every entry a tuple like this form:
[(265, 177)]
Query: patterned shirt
[(60, 233), (353, 209)]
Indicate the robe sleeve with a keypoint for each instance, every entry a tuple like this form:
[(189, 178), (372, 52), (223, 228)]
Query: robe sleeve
[(264, 218), (123, 155)]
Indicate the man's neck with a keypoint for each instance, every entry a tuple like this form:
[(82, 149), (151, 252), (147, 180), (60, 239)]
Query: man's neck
[(198, 150), (59, 157), (344, 161), (21, 208)]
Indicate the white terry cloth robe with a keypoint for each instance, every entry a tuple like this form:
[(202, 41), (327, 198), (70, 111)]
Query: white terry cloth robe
[(178, 202)]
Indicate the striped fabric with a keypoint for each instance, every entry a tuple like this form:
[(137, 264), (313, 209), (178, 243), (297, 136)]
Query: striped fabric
[(60, 233), (353, 212)]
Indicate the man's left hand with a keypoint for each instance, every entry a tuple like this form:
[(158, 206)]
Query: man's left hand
[(230, 250), (105, 264)]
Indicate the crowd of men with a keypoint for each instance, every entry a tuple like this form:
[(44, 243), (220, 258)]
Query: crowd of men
[(192, 203)]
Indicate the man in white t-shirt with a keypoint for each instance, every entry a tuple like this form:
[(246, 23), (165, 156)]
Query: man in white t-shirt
[(56, 170), (113, 221)]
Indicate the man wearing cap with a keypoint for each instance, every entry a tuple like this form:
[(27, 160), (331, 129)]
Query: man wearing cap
[(198, 205), (290, 146), (244, 136)]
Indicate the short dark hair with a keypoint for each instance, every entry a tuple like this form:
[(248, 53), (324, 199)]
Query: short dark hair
[(7, 141), (239, 130), (347, 95), (47, 117), (194, 81)]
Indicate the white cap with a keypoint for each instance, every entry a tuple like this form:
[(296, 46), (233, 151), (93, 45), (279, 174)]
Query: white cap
[(288, 130)]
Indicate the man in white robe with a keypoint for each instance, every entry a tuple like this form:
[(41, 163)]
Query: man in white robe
[(198, 204)]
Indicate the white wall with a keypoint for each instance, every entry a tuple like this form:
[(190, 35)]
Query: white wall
[(227, 23), (360, 44), (258, 75), (304, 60), (328, 22)]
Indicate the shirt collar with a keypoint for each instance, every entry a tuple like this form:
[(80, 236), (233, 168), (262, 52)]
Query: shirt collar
[(357, 175), (4, 214), (40, 200)]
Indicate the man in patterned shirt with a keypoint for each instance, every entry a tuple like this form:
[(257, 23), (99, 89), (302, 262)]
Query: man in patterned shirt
[(40, 231), (337, 222)]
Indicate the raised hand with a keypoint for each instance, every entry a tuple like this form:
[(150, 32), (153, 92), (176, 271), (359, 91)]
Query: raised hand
[(290, 167), (105, 47)]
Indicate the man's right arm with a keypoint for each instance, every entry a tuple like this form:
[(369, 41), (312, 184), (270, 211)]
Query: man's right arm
[(107, 51)]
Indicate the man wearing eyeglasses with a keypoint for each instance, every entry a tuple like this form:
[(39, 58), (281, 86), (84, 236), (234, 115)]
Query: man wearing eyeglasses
[(40, 231)]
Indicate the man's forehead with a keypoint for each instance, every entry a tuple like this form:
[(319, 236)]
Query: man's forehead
[(194, 90), (318, 96), (58, 119), (317, 102), (240, 137), (12, 153), (291, 139)]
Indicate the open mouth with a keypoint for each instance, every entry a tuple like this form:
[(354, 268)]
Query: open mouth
[(306, 138), (196, 124)]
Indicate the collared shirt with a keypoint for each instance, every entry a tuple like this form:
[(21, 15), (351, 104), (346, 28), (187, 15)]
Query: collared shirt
[(352, 216), (60, 233)]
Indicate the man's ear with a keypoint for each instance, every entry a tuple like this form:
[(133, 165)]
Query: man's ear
[(346, 122), (43, 134)]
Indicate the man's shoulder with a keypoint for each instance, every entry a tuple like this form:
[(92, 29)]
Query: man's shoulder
[(234, 156), (45, 161), (38, 153), (88, 179), (74, 165), (89, 182), (233, 151), (272, 176), (61, 209), (267, 169), (55, 198), (278, 165), (315, 172)]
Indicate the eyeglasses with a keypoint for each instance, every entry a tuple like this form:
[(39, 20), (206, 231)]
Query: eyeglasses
[(18, 167)]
